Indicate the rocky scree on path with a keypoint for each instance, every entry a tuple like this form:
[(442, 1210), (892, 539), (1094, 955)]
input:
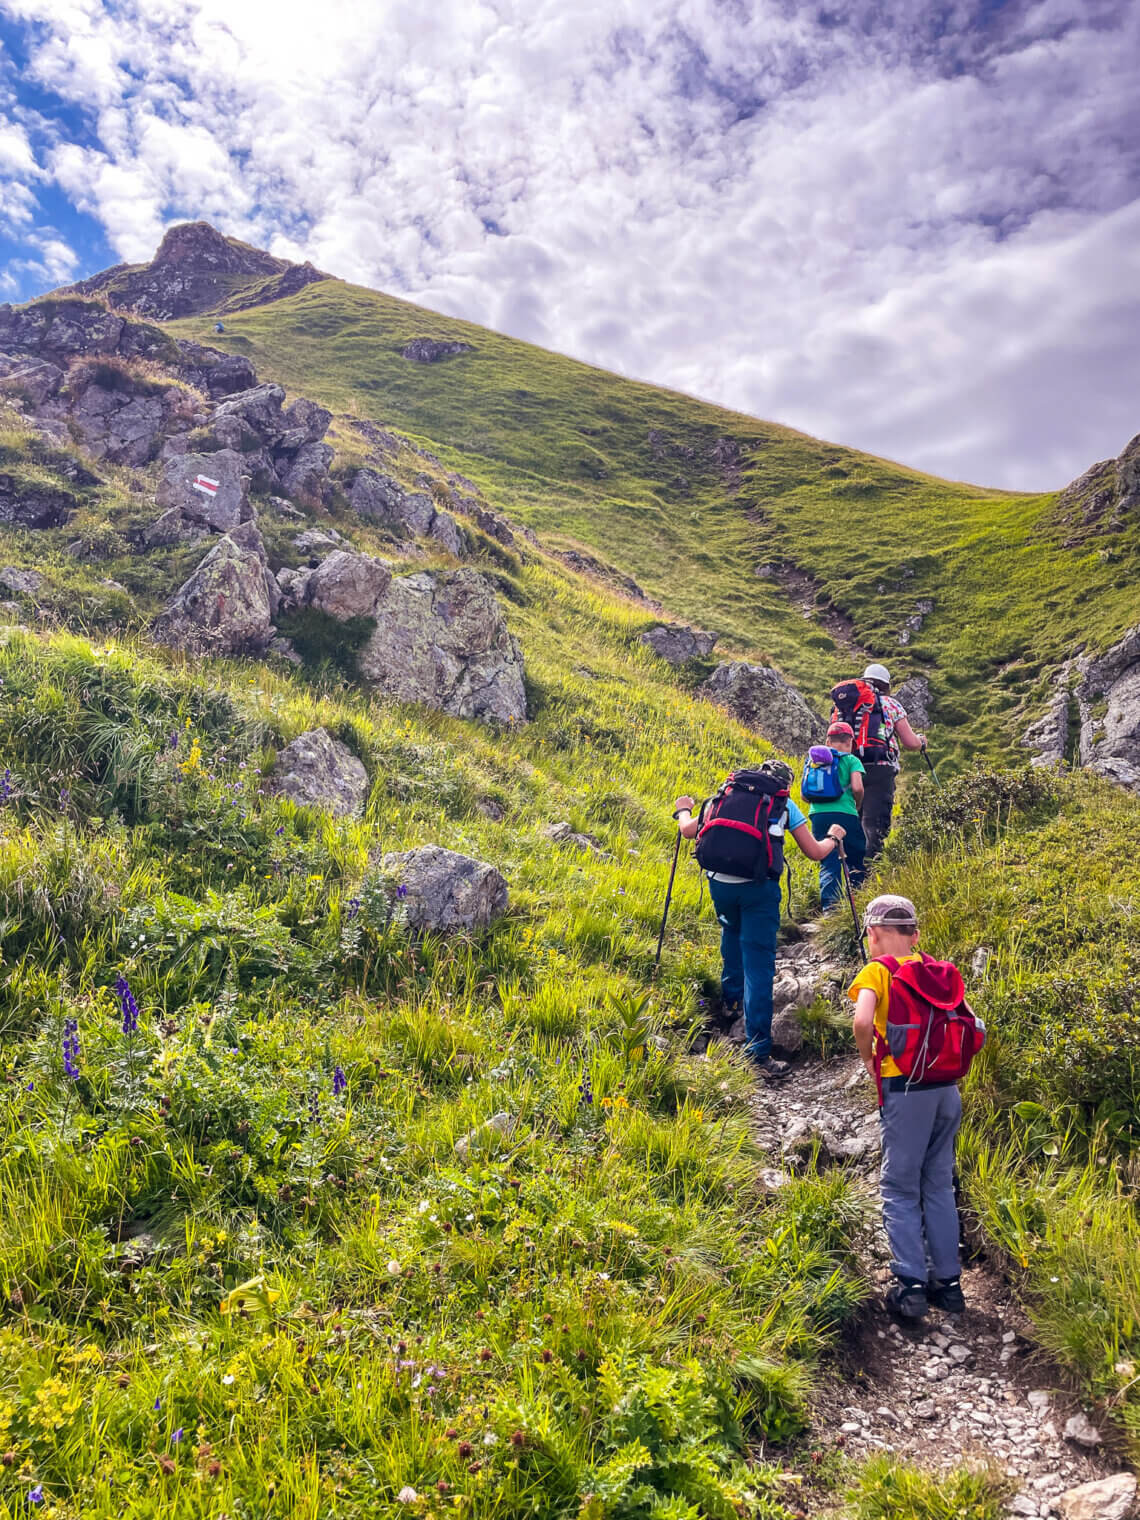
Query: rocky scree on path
[(953, 1388)]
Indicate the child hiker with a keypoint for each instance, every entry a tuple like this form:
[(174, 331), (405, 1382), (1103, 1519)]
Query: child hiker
[(833, 787), (740, 847), (917, 1036)]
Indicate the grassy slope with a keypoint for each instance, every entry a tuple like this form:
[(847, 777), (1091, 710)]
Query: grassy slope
[(566, 448)]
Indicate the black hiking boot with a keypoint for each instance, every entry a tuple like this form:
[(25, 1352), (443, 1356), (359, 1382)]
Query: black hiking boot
[(945, 1293), (906, 1297), (770, 1070)]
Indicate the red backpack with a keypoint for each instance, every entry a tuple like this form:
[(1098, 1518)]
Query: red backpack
[(932, 1032), (860, 705)]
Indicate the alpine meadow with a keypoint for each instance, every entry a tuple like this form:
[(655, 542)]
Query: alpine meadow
[(359, 1157)]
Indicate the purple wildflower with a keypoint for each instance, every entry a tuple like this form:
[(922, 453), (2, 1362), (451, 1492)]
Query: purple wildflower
[(314, 1107), (64, 798), (127, 1004), (585, 1090), (5, 785), (36, 1495), (279, 830), (176, 1437), (71, 1048), (174, 740), (353, 906), (157, 1405), (401, 890), (340, 1081)]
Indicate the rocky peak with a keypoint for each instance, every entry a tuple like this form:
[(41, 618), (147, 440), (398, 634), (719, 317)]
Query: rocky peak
[(194, 245)]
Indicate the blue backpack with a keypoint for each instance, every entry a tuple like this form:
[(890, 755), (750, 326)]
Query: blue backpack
[(821, 780)]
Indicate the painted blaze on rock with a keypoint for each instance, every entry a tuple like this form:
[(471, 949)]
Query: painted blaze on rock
[(207, 488)]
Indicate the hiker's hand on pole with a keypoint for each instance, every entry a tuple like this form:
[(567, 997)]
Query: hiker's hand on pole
[(684, 804), (837, 832)]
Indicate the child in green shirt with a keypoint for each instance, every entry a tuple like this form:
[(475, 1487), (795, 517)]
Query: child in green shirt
[(844, 810)]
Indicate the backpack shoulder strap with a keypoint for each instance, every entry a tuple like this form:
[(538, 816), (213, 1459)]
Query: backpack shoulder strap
[(891, 962)]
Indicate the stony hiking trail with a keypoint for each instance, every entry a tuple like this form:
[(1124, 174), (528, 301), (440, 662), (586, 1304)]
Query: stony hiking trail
[(953, 1388)]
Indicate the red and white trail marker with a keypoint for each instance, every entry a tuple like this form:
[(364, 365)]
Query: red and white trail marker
[(204, 484)]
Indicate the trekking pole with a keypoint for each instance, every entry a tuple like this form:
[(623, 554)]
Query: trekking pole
[(930, 764), (851, 899), (668, 899)]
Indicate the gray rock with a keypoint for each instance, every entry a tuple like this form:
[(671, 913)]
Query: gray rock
[(1128, 476), (1081, 1431), (1110, 710), (761, 699), (678, 644), (122, 427), (211, 489), (21, 582), (316, 770), (259, 408), (224, 608), (432, 350), (35, 380), (171, 528), (344, 585), (446, 531), (484, 1135), (1103, 1499), (319, 540), (408, 514), (787, 1031), (562, 833), (915, 696), (441, 639), (217, 373), (443, 890), (306, 474), (305, 421)]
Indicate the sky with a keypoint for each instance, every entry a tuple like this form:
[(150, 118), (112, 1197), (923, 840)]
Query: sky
[(908, 226)]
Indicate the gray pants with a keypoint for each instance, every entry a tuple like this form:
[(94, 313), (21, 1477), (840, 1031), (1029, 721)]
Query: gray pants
[(917, 1180), (878, 806)]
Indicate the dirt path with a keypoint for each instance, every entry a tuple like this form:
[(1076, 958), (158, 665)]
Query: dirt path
[(951, 1388)]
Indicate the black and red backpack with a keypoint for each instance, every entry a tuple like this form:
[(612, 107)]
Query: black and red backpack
[(742, 827), (932, 1032), (859, 704)]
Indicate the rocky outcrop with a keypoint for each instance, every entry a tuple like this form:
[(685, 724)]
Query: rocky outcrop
[(1099, 500), (915, 695), (122, 423), (440, 890), (343, 585), (432, 350), (316, 770), (61, 329), (441, 639), (208, 489), (678, 644), (1093, 716), (193, 271), (214, 372), (227, 604), (761, 699), (913, 624), (281, 449), (29, 379), (29, 504), (21, 582), (586, 564), (408, 514)]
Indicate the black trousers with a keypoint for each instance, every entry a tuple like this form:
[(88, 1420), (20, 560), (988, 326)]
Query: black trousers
[(878, 805)]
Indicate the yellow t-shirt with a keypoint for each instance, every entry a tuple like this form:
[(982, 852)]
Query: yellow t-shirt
[(878, 979)]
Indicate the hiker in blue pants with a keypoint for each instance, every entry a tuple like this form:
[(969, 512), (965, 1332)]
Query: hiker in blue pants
[(748, 906)]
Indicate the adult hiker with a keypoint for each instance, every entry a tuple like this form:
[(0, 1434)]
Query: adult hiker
[(832, 786), (740, 835), (917, 1036), (880, 725)]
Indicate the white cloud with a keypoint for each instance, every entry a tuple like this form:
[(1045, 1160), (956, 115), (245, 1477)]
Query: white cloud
[(913, 229)]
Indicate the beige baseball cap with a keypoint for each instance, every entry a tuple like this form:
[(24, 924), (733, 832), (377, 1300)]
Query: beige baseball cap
[(891, 912)]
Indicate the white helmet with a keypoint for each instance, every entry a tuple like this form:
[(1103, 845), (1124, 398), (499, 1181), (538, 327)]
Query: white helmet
[(877, 673)]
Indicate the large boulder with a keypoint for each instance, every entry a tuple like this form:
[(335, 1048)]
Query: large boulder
[(212, 489), (1128, 476), (305, 422), (316, 770), (678, 644), (761, 699), (432, 350), (21, 581), (305, 474), (259, 408), (1102, 1499), (438, 889), (344, 585), (215, 372), (226, 606), (441, 639)]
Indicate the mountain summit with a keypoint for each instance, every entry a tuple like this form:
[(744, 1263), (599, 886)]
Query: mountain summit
[(197, 269)]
